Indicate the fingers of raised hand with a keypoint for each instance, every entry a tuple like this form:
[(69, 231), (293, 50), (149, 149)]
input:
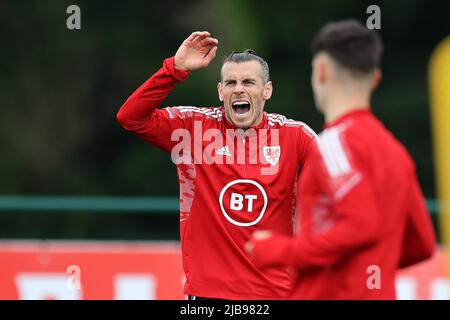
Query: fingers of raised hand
[(209, 42), (197, 35), (210, 55)]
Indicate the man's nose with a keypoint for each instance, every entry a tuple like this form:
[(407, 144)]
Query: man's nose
[(238, 89)]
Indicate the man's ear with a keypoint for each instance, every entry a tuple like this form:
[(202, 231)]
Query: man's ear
[(219, 90), (268, 89), (322, 70), (376, 78)]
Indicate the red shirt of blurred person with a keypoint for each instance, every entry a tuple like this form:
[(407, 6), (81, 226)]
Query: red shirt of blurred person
[(362, 213)]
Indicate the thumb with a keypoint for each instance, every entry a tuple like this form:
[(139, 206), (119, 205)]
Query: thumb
[(248, 247)]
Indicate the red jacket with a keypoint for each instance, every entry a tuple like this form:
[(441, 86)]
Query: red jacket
[(363, 215), (222, 204)]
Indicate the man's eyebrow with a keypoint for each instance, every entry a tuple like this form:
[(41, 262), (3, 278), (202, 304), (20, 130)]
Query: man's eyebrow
[(248, 79)]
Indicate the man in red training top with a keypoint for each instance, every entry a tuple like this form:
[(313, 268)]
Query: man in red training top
[(362, 214), (237, 167)]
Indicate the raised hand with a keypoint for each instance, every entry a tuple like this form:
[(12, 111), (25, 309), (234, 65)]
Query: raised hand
[(196, 52)]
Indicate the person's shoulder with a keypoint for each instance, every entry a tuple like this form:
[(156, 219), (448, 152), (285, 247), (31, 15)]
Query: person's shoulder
[(213, 113), (368, 141), (342, 138), (374, 134), (278, 121), (351, 133)]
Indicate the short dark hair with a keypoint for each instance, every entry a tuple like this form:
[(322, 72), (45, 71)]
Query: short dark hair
[(350, 44), (249, 55)]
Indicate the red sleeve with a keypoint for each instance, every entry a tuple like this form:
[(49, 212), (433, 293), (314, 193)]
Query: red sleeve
[(140, 116), (306, 141), (419, 242), (345, 179)]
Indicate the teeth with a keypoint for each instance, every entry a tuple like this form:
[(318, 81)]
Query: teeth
[(239, 103)]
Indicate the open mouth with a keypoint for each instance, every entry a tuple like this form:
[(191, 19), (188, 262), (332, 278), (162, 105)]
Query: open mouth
[(241, 106)]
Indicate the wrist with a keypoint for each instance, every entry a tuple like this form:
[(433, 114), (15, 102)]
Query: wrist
[(179, 67), (178, 74)]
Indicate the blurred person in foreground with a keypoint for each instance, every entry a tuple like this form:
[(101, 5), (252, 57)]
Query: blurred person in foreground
[(362, 213), (237, 167)]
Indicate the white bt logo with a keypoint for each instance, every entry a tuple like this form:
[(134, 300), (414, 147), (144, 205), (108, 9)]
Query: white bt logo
[(241, 208), (237, 201)]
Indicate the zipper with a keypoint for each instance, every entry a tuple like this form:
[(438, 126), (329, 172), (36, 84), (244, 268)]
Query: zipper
[(245, 157)]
